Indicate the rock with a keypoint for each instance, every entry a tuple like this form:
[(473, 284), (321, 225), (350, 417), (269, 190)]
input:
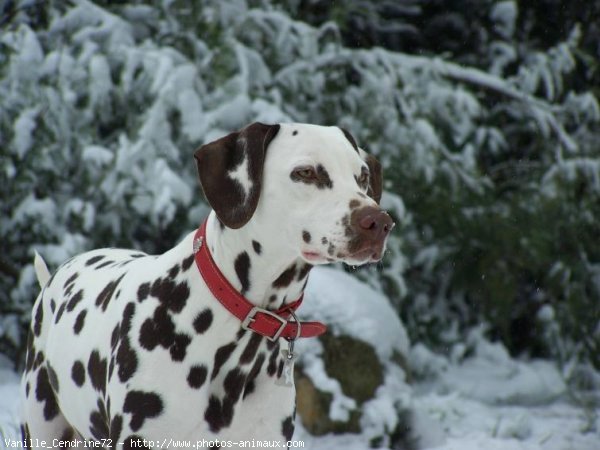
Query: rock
[(353, 379), (354, 364)]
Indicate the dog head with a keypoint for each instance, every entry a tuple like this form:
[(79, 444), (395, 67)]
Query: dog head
[(309, 187)]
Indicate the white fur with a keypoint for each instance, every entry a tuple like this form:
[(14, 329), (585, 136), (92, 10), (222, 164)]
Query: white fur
[(41, 270)]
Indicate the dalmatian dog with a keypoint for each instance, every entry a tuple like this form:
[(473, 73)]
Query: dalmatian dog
[(126, 347)]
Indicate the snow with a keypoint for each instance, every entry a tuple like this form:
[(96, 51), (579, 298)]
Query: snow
[(32, 208), (471, 425), (100, 81), (9, 401), (507, 381), (449, 421), (504, 14), (280, 70), (485, 401), (313, 366), (24, 127), (350, 306), (96, 155)]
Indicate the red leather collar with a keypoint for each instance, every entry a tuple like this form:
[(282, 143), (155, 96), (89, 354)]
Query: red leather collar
[(271, 324)]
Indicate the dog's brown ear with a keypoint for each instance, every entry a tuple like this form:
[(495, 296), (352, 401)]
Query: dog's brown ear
[(375, 177), (230, 171)]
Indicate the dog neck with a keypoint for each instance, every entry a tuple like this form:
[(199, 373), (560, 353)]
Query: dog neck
[(267, 274)]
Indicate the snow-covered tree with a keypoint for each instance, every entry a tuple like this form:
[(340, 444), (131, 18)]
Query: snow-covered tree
[(491, 150)]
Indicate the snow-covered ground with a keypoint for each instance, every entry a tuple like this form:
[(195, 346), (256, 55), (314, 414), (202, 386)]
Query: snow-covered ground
[(448, 416), (9, 402), (484, 401), (493, 402)]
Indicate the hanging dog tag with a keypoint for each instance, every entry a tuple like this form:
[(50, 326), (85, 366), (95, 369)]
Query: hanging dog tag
[(287, 374)]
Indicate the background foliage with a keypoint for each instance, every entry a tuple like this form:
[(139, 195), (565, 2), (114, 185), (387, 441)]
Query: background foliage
[(484, 113)]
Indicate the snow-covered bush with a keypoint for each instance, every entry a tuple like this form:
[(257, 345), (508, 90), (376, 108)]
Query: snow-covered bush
[(495, 160), (492, 168)]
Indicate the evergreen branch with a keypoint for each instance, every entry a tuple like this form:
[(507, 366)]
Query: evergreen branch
[(9, 269)]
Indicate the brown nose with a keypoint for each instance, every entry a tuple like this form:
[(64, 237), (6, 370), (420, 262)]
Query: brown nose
[(373, 223)]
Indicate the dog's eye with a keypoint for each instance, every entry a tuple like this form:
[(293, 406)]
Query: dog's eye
[(363, 180), (304, 173)]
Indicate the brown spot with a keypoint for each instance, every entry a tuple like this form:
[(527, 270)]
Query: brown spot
[(354, 204), (285, 278), (71, 280), (30, 352), (126, 357), (197, 376), (242, 269), (254, 372), (94, 260), (67, 435), (39, 317), (116, 426), (114, 336), (160, 330), (250, 351), (99, 421), (306, 236), (187, 263), (106, 294), (97, 371), (52, 378), (221, 356), (143, 291), (234, 384), (44, 393), (303, 272), (75, 299), (216, 413), (172, 295), (203, 321), (287, 428), (78, 373), (219, 414), (174, 271), (79, 321), (39, 359), (142, 406), (272, 367)]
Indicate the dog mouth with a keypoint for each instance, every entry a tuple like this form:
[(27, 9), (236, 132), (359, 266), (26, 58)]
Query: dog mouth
[(315, 257), (366, 254)]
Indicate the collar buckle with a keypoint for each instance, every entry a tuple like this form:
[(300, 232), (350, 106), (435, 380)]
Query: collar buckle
[(251, 317)]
